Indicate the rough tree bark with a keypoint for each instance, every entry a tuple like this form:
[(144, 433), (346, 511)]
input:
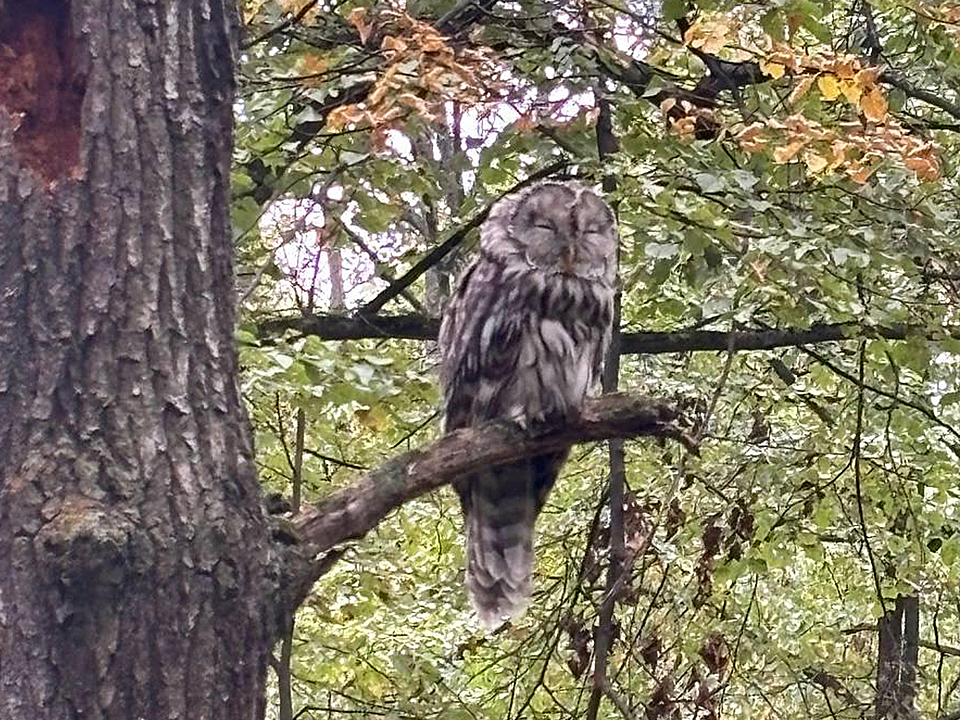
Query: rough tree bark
[(135, 562)]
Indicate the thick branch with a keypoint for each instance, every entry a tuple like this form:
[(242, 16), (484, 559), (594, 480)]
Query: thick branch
[(419, 327), (344, 327), (353, 511), (932, 98)]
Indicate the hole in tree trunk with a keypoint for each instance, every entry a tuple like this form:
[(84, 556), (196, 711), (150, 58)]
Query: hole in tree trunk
[(39, 88)]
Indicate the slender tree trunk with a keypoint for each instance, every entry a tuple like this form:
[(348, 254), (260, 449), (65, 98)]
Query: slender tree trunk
[(888, 662), (899, 634), (134, 556), (608, 144), (337, 295)]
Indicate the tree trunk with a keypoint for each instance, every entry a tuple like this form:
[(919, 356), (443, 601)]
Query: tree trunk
[(134, 555), (899, 634)]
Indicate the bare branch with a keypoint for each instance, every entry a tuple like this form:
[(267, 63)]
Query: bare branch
[(343, 327), (351, 512)]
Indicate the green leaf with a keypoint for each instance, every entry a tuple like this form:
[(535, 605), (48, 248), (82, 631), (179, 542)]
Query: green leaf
[(710, 183), (661, 250)]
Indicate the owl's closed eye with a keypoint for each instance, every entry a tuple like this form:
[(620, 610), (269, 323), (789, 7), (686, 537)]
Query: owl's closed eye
[(562, 230)]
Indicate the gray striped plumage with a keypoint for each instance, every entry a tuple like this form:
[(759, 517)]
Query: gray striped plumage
[(523, 340)]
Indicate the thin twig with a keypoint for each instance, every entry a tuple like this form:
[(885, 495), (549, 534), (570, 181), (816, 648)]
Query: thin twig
[(857, 477), (280, 27), (618, 701), (926, 412)]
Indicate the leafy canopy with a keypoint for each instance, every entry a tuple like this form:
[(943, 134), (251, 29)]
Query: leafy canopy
[(779, 165)]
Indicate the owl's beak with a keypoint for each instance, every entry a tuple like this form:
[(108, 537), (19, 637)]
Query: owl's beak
[(568, 258)]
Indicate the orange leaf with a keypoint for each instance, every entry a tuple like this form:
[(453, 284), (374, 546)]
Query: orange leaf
[(432, 45), (785, 153), (861, 173), (868, 76), (839, 149), (800, 90), (708, 35), (393, 44), (341, 116), (874, 105), (378, 94), (751, 137), (358, 18), (846, 67), (815, 162)]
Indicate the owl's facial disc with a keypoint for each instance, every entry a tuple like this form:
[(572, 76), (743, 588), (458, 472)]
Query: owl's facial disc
[(563, 231)]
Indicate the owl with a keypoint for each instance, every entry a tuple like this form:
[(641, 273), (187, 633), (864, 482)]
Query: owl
[(523, 340)]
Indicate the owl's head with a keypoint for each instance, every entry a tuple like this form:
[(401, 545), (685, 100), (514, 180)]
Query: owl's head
[(562, 228)]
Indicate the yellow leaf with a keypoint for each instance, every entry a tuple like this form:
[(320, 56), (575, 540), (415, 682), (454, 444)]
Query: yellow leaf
[(815, 162), (251, 8), (773, 69), (874, 105), (851, 91), (800, 90), (829, 87), (785, 153)]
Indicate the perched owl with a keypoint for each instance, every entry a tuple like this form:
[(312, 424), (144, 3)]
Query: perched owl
[(523, 340)]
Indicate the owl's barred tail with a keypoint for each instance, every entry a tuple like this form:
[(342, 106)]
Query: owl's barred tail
[(501, 509)]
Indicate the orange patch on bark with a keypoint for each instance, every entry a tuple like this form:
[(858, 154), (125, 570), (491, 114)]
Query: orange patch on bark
[(38, 85)]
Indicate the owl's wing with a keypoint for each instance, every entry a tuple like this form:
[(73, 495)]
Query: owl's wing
[(479, 345)]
